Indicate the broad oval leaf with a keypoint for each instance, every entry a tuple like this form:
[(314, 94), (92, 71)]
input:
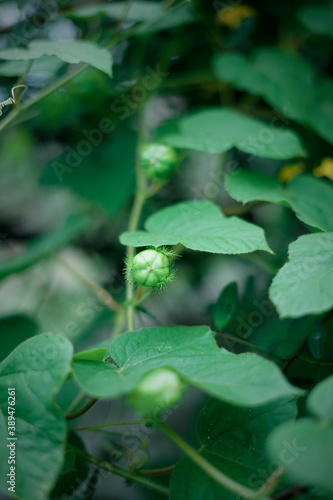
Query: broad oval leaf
[(320, 400), (304, 284), (305, 449), (310, 198), (225, 306), (36, 369), (233, 440), (244, 379), (216, 130), (198, 225), (275, 76), (70, 51)]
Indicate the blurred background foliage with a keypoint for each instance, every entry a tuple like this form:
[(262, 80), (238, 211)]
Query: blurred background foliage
[(80, 211)]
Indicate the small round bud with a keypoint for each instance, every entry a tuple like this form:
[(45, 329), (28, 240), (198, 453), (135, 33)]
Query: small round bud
[(150, 268), (158, 390), (158, 161)]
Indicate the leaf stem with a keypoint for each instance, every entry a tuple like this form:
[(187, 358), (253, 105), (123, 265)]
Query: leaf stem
[(82, 410), (148, 483), (139, 200), (99, 291), (207, 467), (89, 427)]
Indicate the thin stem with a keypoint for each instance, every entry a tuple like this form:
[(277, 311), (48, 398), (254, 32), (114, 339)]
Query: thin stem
[(51, 88), (119, 322), (92, 427), (139, 200), (101, 293), (148, 483), (243, 209), (157, 472), (82, 410), (214, 473), (76, 401)]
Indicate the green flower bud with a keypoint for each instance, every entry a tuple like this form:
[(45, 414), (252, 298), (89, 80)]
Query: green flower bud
[(158, 161), (150, 268), (158, 390)]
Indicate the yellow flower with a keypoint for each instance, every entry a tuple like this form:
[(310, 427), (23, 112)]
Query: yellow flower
[(325, 169), (290, 171), (233, 16)]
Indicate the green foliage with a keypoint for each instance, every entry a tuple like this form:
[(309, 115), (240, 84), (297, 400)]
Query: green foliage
[(304, 285), (310, 198), (243, 380), (317, 18), (72, 52), (233, 440), (198, 225), (150, 130), (36, 369), (218, 130), (225, 306), (276, 77), (312, 441)]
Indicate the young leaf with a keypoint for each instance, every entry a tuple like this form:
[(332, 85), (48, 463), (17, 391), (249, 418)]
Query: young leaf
[(217, 130), (317, 18), (233, 440), (225, 306), (244, 379), (45, 245), (320, 400), (275, 76), (304, 285), (36, 369), (198, 225), (70, 51), (305, 448), (310, 198)]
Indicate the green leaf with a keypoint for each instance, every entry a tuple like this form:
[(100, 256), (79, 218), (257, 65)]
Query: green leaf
[(137, 11), (47, 65), (13, 331), (105, 177), (36, 369), (74, 470), (97, 354), (305, 449), (70, 51), (317, 18), (198, 225), (271, 74), (320, 400), (244, 379), (304, 285), (233, 440), (275, 76), (217, 130), (310, 198), (225, 306), (45, 245), (154, 15)]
